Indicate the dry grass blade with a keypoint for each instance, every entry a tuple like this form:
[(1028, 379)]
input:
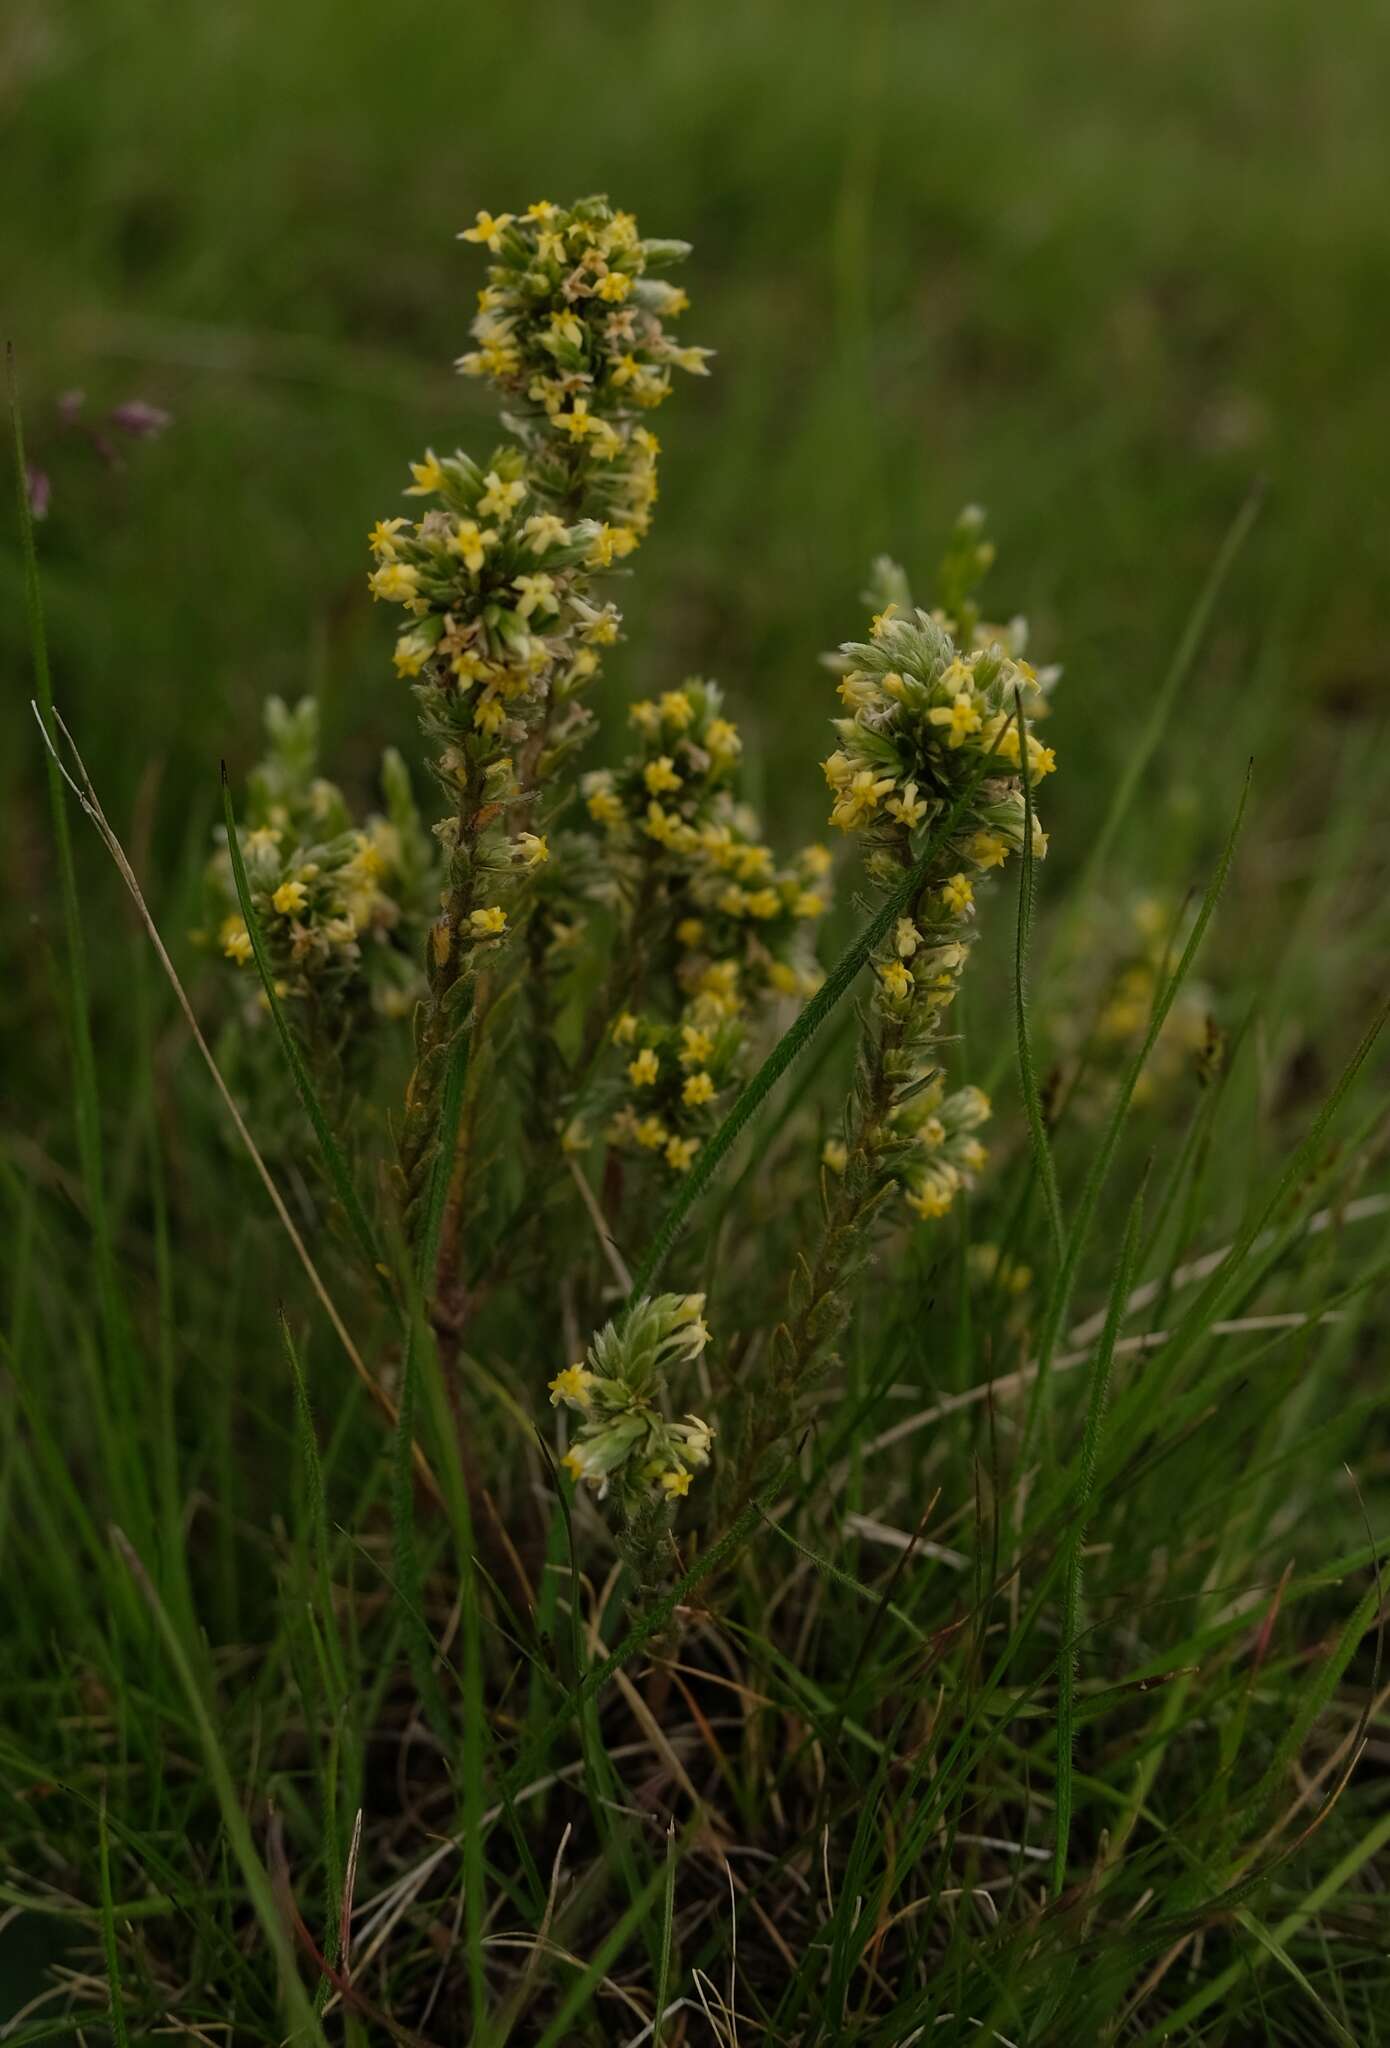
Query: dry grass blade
[(86, 795)]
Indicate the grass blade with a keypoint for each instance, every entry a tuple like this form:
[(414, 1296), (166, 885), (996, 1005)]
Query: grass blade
[(253, 1872), (1085, 1490), (108, 1934), (1059, 1301), (422, 1365), (1032, 1099), (668, 1915)]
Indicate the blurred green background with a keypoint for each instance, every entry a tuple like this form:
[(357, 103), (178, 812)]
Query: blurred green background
[(1098, 268)]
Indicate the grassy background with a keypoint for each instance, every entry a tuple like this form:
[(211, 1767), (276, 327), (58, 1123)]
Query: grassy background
[(1097, 268)]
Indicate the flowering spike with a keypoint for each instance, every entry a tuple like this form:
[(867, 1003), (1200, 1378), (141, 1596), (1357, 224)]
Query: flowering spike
[(625, 1443)]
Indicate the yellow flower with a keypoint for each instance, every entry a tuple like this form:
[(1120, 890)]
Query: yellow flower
[(660, 775), (486, 923), (957, 894), (600, 555), (290, 898), (642, 1071), (718, 987), (835, 1155), (677, 709), (988, 849), (907, 938), (472, 542), (550, 247), (908, 809), (697, 1046), (578, 421), (489, 713), (699, 1087), (722, 739), (767, 903), (543, 530), (896, 979), (806, 903), (500, 500), (606, 445), (615, 287), (532, 849), (396, 581), (675, 1483), (930, 1200), (603, 630), (428, 475), (858, 797), (564, 332), (784, 978), (680, 1152), (645, 715), (571, 1386), (408, 655), (881, 621), (468, 666), (489, 229), (264, 839), (604, 807), (961, 717), (236, 940), (651, 1133), (382, 538), (541, 210), (689, 932), (537, 594)]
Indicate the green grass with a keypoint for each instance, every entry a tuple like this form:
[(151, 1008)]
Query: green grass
[(1055, 1716)]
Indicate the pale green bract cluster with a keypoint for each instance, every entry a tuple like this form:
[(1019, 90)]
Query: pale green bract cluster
[(934, 703), (625, 1442)]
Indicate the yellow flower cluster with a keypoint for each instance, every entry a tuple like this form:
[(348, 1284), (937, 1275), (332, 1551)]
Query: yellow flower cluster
[(340, 906), (496, 589), (735, 927), (571, 330), (929, 719), (504, 628)]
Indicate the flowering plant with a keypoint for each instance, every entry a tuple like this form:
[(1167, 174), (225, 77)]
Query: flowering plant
[(634, 915)]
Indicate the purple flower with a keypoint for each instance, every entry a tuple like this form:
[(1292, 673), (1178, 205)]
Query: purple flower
[(142, 421)]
